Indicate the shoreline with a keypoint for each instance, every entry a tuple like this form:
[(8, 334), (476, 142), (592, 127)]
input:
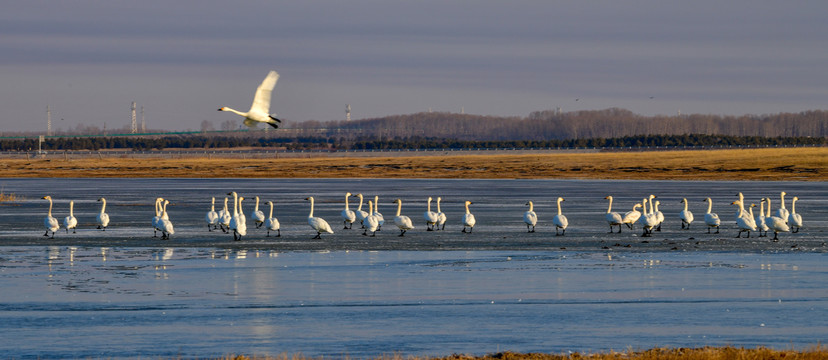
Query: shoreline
[(766, 164)]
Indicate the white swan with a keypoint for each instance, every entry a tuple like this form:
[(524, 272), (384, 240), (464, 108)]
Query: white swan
[(371, 222), (530, 217), (782, 212), (166, 225), (317, 223), (70, 222), (378, 215), (360, 214), (468, 219), (631, 217), (156, 220), (257, 215), (260, 109), (348, 215), (658, 215), (225, 217), (49, 221), (272, 224), (560, 220), (648, 219), (776, 223), (711, 219), (241, 223), (794, 219), (686, 216), (212, 217), (103, 217), (743, 221), (761, 225), (430, 217), (403, 222), (441, 216), (613, 218)]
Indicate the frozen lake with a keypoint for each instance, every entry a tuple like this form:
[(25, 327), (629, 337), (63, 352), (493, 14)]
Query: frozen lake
[(122, 293)]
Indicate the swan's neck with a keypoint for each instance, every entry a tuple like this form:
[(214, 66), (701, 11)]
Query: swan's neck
[(213, 206), (399, 208), (271, 211), (710, 205), (438, 205), (793, 206), (235, 111), (531, 206), (644, 206), (609, 209), (651, 205), (782, 199), (429, 205), (225, 204), (685, 205), (164, 211), (762, 208), (360, 202), (750, 211), (769, 208), (72, 208), (157, 207), (346, 202), (103, 206), (50, 207), (235, 205), (257, 204), (311, 210), (467, 209), (370, 207)]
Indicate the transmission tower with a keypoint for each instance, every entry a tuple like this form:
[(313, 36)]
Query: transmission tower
[(134, 124), (348, 112), (48, 121)]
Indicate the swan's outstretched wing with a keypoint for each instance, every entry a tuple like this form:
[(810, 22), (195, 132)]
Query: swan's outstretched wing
[(261, 102)]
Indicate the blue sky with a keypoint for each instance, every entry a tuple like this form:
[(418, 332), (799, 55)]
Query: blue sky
[(182, 60)]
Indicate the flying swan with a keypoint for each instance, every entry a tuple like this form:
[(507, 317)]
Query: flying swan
[(260, 110)]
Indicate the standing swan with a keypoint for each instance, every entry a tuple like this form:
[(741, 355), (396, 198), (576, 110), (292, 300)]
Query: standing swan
[(212, 216), (103, 217), (361, 214), (776, 223), (761, 224), (348, 215), (378, 215), (744, 221), (225, 217), (371, 222), (630, 217), (530, 218), (613, 218), (403, 222), (782, 212), (317, 223), (711, 219), (430, 217), (560, 220), (441, 216), (241, 224), (272, 224), (70, 222), (260, 109), (468, 219), (49, 221), (258, 215), (686, 216), (794, 219), (166, 224), (156, 220)]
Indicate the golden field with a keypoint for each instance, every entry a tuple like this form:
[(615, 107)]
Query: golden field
[(795, 164)]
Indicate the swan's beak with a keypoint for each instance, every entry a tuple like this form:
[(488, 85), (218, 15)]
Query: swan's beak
[(221, 109)]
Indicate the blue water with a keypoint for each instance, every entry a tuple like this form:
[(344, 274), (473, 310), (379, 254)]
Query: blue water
[(205, 296)]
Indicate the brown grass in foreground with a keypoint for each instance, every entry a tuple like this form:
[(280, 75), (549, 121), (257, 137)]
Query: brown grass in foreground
[(801, 164), (705, 353)]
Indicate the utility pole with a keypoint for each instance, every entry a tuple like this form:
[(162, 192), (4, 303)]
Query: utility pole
[(134, 124)]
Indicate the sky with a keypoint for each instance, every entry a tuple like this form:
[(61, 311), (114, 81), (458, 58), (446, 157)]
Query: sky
[(182, 60)]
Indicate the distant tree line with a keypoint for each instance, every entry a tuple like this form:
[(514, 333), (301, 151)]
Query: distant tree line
[(398, 143)]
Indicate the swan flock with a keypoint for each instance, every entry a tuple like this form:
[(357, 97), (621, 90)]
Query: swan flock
[(234, 221)]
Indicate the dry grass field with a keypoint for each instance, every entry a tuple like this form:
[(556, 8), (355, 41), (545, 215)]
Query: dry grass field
[(795, 164)]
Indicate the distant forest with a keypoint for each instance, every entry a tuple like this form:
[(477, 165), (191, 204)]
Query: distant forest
[(601, 128)]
